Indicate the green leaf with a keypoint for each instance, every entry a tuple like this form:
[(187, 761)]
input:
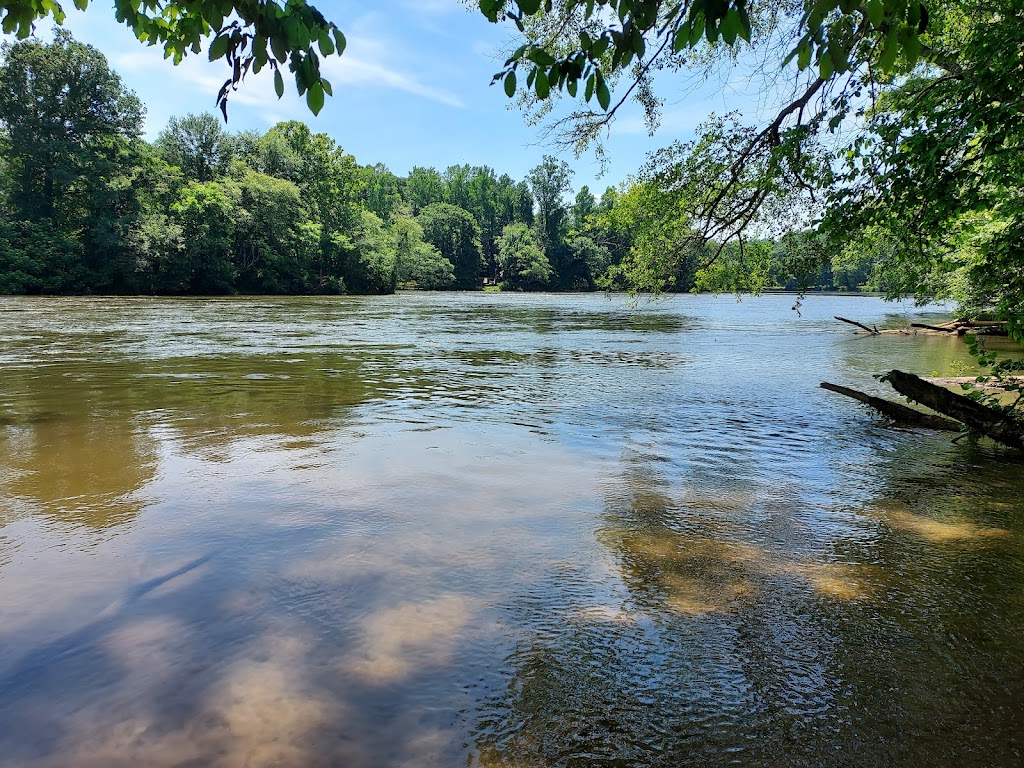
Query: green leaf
[(218, 47), (528, 7), (730, 26), (301, 36), (682, 38), (259, 49), (825, 66), (638, 42), (803, 55), (517, 55), (876, 12), (540, 57), (510, 84), (840, 60), (541, 84), (278, 83), (912, 51), (914, 14), (890, 48), (696, 28), (325, 44), (280, 48), (315, 98), (604, 96), (571, 86), (745, 27), (588, 92)]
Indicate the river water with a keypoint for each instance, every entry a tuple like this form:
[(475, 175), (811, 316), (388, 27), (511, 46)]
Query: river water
[(494, 530)]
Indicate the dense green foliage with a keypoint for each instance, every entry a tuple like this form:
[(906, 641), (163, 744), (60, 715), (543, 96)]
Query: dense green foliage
[(894, 146), (590, 42), (521, 259), (89, 207), (937, 175), (248, 34)]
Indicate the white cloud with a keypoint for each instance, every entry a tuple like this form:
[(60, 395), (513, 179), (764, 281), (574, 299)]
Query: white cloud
[(358, 67), (489, 51), (370, 61), (672, 122), (433, 7), (351, 70), (194, 70)]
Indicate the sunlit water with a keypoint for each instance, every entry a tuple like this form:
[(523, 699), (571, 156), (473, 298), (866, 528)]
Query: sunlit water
[(494, 530)]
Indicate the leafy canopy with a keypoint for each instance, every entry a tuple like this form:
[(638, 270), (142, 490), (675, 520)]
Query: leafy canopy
[(939, 166), (601, 37), (248, 34), (64, 113), (899, 125)]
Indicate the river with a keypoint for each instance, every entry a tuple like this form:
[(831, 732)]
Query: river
[(494, 530)]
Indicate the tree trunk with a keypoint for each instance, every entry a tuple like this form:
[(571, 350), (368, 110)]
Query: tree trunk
[(901, 414), (999, 425)]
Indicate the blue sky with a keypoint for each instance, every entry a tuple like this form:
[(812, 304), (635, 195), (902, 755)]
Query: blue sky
[(413, 88)]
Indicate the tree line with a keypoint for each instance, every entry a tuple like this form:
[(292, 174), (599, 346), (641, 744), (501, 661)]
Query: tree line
[(896, 138), (91, 207)]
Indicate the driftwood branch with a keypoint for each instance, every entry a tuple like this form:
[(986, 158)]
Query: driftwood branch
[(872, 331), (998, 424), (965, 327), (958, 327), (901, 414)]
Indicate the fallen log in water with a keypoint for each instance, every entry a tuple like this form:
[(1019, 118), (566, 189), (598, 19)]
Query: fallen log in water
[(958, 327), (872, 331), (991, 422), (901, 414), (965, 327), (959, 381), (984, 330), (939, 328)]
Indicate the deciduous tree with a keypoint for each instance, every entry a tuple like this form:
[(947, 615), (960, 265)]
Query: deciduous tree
[(198, 145), (456, 235), (521, 259)]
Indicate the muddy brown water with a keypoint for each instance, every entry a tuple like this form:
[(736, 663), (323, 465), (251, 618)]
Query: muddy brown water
[(494, 530)]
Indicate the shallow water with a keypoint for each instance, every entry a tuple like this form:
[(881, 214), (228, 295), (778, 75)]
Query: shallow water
[(494, 530)]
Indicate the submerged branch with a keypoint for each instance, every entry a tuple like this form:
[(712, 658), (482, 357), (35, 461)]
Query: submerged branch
[(901, 414), (872, 331)]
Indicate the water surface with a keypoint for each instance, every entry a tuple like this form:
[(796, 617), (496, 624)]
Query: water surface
[(494, 530)]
